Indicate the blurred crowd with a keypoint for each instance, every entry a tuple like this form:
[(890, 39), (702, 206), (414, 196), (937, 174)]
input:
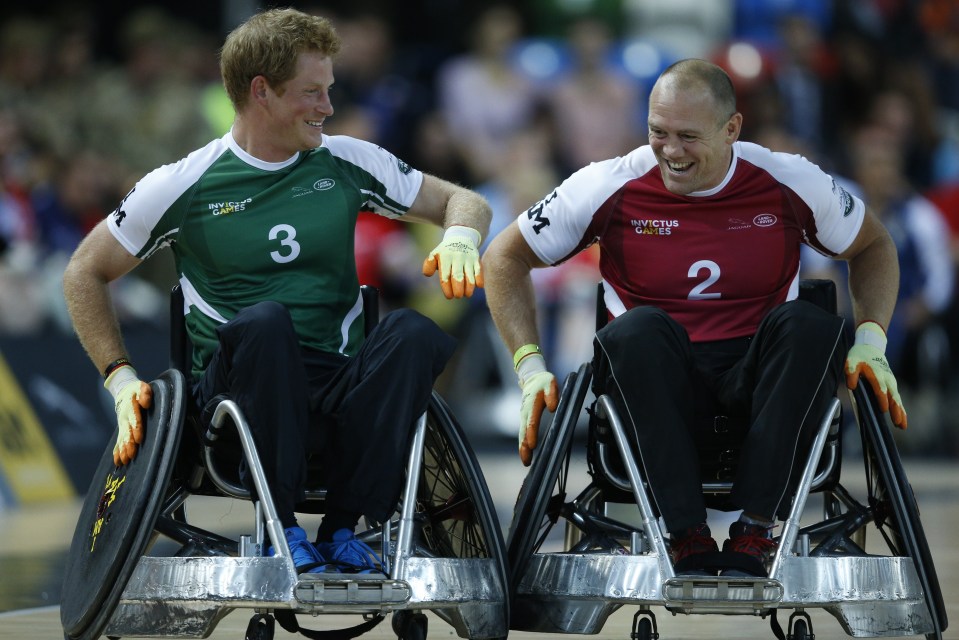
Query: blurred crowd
[(508, 100)]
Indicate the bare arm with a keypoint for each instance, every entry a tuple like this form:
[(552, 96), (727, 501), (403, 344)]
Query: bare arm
[(509, 288), (512, 303), (465, 216), (98, 260), (446, 204), (873, 288), (873, 273)]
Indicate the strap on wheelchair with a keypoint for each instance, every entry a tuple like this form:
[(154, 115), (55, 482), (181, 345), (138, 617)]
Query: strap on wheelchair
[(287, 620), (777, 628)]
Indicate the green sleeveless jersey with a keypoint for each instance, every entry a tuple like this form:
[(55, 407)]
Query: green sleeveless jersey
[(245, 231)]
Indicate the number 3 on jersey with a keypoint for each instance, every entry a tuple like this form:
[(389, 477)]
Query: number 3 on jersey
[(712, 275), (290, 247)]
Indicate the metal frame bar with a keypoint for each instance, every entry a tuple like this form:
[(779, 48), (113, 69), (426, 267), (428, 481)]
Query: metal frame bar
[(650, 523)]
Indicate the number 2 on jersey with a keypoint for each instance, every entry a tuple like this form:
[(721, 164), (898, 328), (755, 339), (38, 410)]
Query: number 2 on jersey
[(291, 247), (712, 275)]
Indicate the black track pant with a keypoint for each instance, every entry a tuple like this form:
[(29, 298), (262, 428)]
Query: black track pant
[(356, 412), (781, 380)]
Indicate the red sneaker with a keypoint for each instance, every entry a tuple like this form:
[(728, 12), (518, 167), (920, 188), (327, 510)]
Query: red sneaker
[(754, 545), (687, 548)]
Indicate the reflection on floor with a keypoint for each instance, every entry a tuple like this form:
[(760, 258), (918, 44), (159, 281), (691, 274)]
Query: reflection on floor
[(31, 580), (34, 541)]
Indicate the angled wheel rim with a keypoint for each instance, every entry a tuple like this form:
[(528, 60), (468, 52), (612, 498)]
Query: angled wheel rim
[(548, 471), (888, 489)]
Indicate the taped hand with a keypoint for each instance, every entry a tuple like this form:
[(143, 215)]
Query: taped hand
[(867, 358), (457, 259), (130, 396), (540, 391)]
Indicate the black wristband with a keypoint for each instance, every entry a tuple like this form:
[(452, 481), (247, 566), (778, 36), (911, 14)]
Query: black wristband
[(113, 366)]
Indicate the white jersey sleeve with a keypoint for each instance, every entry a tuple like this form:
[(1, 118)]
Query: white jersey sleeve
[(558, 225), (134, 221), (401, 182), (838, 213)]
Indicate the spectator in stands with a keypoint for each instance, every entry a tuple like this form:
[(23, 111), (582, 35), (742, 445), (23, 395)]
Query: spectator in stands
[(921, 234), (20, 306), (939, 20), (24, 57), (923, 241), (799, 79), (374, 75), (484, 99), (68, 207), (594, 109), (906, 109), (59, 106), (146, 113)]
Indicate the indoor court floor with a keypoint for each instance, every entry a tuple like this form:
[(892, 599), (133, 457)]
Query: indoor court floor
[(34, 541)]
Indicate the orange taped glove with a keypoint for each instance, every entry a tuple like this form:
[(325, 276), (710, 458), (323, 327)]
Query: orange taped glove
[(130, 396), (867, 358), (540, 391), (457, 259)]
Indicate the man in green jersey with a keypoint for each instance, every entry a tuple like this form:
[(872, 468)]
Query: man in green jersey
[(261, 225)]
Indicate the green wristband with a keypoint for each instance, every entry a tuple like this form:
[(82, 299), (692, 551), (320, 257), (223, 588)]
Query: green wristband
[(525, 350)]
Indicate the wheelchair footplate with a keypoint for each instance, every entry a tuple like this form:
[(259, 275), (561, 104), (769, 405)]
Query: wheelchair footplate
[(187, 597), (324, 592), (709, 594)]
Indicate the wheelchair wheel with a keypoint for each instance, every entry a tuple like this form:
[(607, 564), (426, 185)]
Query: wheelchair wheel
[(117, 518), (408, 625), (543, 493), (800, 631), (644, 630), (895, 512), (454, 502)]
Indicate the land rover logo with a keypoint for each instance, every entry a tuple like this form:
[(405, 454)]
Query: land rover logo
[(324, 184), (764, 220)]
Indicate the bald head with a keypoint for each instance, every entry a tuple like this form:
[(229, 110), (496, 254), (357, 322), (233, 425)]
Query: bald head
[(693, 75)]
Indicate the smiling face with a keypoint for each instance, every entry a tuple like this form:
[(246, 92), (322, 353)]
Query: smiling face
[(691, 136), (295, 110)]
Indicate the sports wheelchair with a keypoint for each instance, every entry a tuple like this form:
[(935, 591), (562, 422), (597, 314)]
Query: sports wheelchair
[(572, 580), (442, 549)]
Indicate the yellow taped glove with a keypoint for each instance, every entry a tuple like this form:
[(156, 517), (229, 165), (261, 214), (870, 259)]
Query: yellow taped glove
[(867, 358), (130, 396), (457, 259), (540, 391)]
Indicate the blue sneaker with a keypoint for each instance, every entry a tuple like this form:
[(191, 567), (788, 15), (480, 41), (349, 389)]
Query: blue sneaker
[(306, 558), (347, 554)]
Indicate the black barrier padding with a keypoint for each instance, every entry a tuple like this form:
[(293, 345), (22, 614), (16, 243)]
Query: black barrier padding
[(67, 395), (118, 516)]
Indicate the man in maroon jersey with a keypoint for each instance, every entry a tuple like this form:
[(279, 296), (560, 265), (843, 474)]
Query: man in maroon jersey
[(700, 235)]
